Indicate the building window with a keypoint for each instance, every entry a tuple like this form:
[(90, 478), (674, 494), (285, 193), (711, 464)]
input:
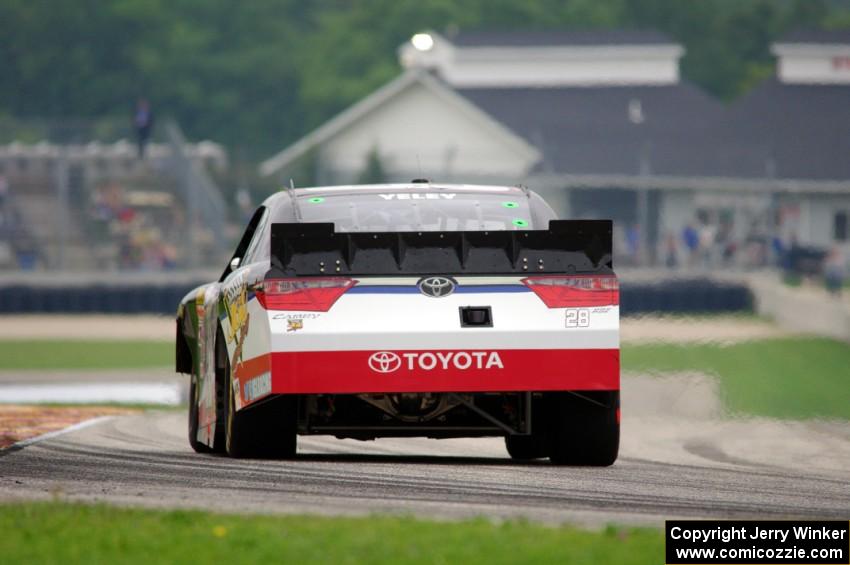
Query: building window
[(841, 231)]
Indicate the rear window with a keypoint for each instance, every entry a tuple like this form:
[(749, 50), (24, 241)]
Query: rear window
[(424, 211)]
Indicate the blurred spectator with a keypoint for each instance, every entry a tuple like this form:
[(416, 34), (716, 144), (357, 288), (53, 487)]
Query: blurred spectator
[(7, 258), (730, 248), (690, 238), (18, 247), (726, 245), (670, 252), (6, 251), (707, 236), (26, 251), (4, 191), (132, 236), (791, 254), (779, 252), (143, 123), (4, 211), (834, 270), (4, 196)]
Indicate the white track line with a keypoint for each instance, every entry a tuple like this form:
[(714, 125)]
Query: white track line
[(49, 435), (75, 393)]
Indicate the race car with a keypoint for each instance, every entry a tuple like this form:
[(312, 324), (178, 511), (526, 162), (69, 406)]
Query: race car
[(419, 309)]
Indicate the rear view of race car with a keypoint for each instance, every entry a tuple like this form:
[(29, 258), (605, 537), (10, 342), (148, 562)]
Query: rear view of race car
[(413, 324)]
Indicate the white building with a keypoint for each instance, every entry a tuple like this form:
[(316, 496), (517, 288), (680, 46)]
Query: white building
[(602, 123)]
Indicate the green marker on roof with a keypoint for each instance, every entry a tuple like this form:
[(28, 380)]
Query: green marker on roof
[(520, 223), (510, 204), (316, 200)]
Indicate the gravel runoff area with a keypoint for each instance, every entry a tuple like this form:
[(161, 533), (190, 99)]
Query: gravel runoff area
[(675, 329)]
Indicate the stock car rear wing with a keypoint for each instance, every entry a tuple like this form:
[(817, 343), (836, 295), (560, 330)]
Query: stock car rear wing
[(566, 247)]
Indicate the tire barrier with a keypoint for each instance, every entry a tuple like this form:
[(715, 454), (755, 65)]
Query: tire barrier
[(804, 261), (103, 299), (692, 296), (677, 296)]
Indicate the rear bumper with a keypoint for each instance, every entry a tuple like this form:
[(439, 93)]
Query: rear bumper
[(347, 372), (407, 342)]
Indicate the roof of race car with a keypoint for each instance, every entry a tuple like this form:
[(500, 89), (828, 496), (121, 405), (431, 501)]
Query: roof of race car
[(397, 187), (348, 206)]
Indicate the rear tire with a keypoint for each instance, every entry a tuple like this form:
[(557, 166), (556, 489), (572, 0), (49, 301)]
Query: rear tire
[(524, 448), (534, 445), (267, 431), (584, 432), (193, 420)]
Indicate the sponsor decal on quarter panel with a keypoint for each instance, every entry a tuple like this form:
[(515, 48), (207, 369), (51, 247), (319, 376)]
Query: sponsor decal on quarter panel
[(257, 387)]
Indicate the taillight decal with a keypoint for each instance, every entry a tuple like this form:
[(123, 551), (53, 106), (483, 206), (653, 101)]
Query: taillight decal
[(568, 291)]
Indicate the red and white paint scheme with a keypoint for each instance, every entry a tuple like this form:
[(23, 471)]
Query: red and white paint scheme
[(407, 310), (384, 335)]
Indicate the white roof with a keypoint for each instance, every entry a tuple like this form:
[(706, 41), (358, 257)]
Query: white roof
[(421, 187), (403, 187), (566, 59)]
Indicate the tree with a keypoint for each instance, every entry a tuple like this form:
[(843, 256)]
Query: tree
[(258, 75)]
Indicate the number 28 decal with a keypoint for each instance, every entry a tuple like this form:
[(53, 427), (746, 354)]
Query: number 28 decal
[(578, 317)]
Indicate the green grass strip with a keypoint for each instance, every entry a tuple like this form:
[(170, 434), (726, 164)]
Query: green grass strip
[(77, 355), (795, 378), (73, 533)]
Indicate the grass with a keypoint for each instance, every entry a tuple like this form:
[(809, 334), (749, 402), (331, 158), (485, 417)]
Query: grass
[(794, 378), (78, 355), (56, 532)]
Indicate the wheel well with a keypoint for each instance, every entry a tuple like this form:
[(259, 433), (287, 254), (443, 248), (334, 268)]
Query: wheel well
[(182, 353)]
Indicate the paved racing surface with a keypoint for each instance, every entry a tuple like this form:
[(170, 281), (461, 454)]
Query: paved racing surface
[(688, 464)]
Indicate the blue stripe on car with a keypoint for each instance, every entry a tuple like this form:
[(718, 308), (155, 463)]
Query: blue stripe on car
[(460, 289)]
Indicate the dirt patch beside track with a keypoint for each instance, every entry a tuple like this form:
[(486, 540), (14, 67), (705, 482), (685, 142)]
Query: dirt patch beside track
[(160, 328), (699, 329), (18, 423)]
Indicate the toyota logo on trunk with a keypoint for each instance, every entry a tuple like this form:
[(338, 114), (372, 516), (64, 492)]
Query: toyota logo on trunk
[(436, 287), (384, 362)]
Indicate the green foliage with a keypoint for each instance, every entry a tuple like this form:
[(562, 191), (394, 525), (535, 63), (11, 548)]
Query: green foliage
[(257, 75), (74, 533), (795, 378)]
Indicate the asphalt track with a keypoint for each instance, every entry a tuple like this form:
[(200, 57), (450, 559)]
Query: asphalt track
[(680, 463)]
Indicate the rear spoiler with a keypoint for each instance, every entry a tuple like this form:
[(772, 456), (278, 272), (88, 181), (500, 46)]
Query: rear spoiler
[(568, 246)]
